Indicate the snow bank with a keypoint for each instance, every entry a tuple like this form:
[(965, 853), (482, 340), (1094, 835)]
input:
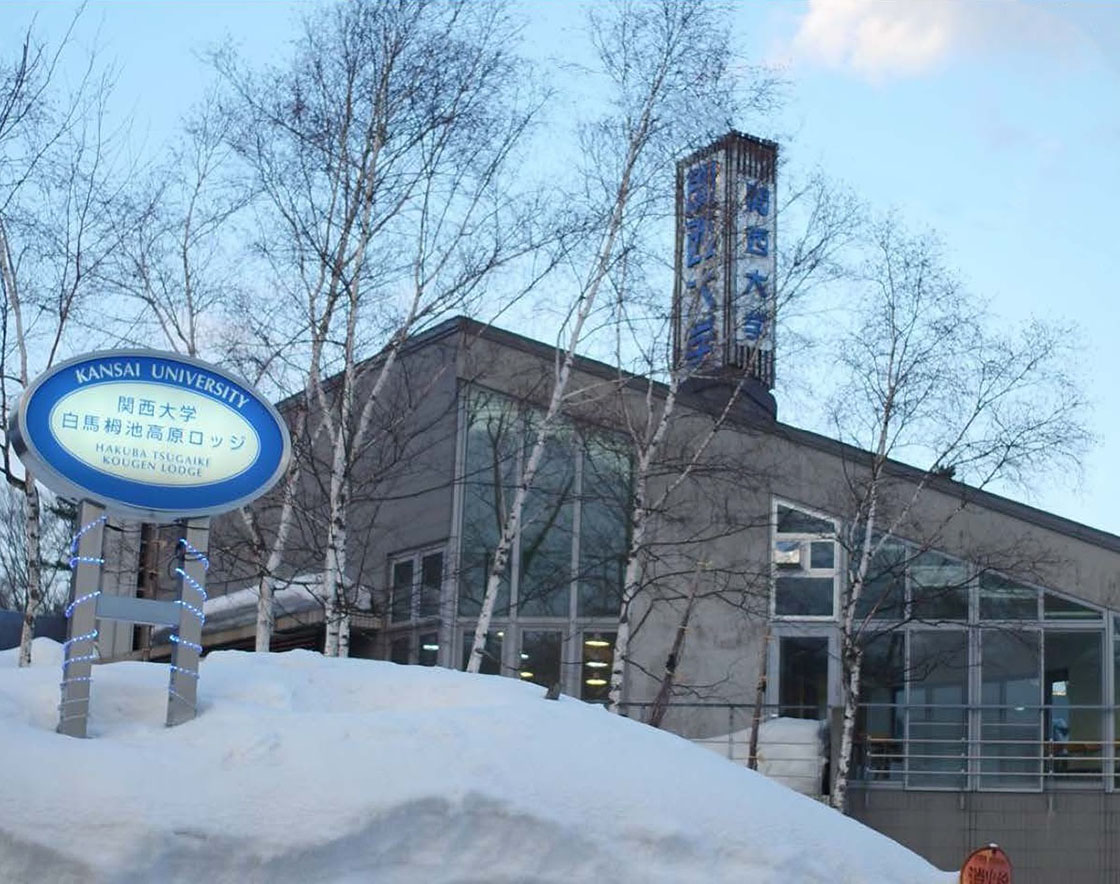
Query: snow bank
[(302, 769)]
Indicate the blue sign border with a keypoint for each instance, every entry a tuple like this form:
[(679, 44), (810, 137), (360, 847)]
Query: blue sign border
[(65, 474)]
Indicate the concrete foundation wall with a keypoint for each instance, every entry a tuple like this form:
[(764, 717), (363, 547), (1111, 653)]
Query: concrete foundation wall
[(1065, 837)]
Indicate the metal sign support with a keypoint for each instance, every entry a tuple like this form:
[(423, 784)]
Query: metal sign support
[(88, 605), (80, 649), (182, 689)]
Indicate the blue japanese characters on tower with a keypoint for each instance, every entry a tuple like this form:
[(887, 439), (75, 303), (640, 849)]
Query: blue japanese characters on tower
[(701, 271), (724, 298)]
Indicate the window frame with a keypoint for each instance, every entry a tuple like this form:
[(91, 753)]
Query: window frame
[(806, 570)]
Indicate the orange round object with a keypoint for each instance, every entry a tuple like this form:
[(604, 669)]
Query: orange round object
[(987, 865)]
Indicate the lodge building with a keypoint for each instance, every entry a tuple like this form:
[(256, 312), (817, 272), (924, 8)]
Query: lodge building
[(990, 629), (992, 661)]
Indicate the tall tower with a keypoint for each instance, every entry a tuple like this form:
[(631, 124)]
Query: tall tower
[(723, 296)]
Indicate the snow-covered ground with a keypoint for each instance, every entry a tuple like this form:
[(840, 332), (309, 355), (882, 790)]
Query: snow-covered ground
[(305, 769)]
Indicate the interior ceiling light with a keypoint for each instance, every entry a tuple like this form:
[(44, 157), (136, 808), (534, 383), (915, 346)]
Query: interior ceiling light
[(525, 674), (596, 664), (596, 643), (596, 682)]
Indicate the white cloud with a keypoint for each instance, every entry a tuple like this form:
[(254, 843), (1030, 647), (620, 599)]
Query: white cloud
[(878, 39), (881, 39)]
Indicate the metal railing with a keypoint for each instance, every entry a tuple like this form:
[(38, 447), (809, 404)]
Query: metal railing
[(920, 746)]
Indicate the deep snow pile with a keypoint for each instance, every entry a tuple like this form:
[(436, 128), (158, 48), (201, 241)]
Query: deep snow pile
[(305, 769)]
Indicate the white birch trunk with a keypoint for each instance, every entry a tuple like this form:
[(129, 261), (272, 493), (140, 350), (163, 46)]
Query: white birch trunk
[(34, 582), (631, 584), (266, 615), (600, 269), (838, 797)]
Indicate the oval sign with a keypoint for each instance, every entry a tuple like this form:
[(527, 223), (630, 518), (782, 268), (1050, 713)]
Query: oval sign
[(150, 435), (987, 865)]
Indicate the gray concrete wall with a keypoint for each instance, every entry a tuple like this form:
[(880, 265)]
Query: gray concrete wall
[(1052, 837)]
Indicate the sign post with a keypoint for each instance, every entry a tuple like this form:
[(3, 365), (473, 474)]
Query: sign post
[(182, 689), (140, 434), (81, 639)]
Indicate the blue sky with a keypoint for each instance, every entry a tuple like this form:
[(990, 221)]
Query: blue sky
[(997, 123)]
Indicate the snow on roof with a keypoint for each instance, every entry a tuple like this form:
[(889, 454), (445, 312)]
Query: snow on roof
[(239, 607), (303, 768)]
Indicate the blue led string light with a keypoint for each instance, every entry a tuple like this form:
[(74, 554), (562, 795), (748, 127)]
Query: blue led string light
[(87, 598), (78, 601), (183, 641), (198, 612)]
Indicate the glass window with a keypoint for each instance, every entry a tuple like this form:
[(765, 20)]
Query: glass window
[(429, 649), (1116, 701), (1055, 607), (1004, 599), (402, 591), (491, 652), (938, 588), (494, 435), (937, 747), (803, 677), (595, 675), (1072, 693), (822, 554), (793, 521), (431, 582), (539, 661), (400, 650), (884, 588), (804, 596), (787, 555), (883, 695), (1011, 714), (603, 535), (544, 584)]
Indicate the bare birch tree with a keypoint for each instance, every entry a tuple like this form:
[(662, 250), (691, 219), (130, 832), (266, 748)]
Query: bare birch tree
[(55, 234), (668, 89), (828, 217), (381, 154), (929, 381)]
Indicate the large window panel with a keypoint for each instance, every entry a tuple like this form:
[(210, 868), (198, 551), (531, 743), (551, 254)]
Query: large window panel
[(1116, 694), (1054, 607), (884, 590), (431, 582), (428, 654), (603, 534), (804, 596), (491, 652), (882, 723), (795, 521), (937, 744), (803, 677), (545, 579), (540, 656), (938, 588), (1004, 599), (402, 591), (494, 434), (1011, 714), (1072, 692), (595, 674)]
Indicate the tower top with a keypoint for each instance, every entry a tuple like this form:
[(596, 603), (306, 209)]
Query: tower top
[(723, 296)]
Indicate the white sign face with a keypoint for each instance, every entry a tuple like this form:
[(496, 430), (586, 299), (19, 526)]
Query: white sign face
[(150, 435), (177, 438)]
